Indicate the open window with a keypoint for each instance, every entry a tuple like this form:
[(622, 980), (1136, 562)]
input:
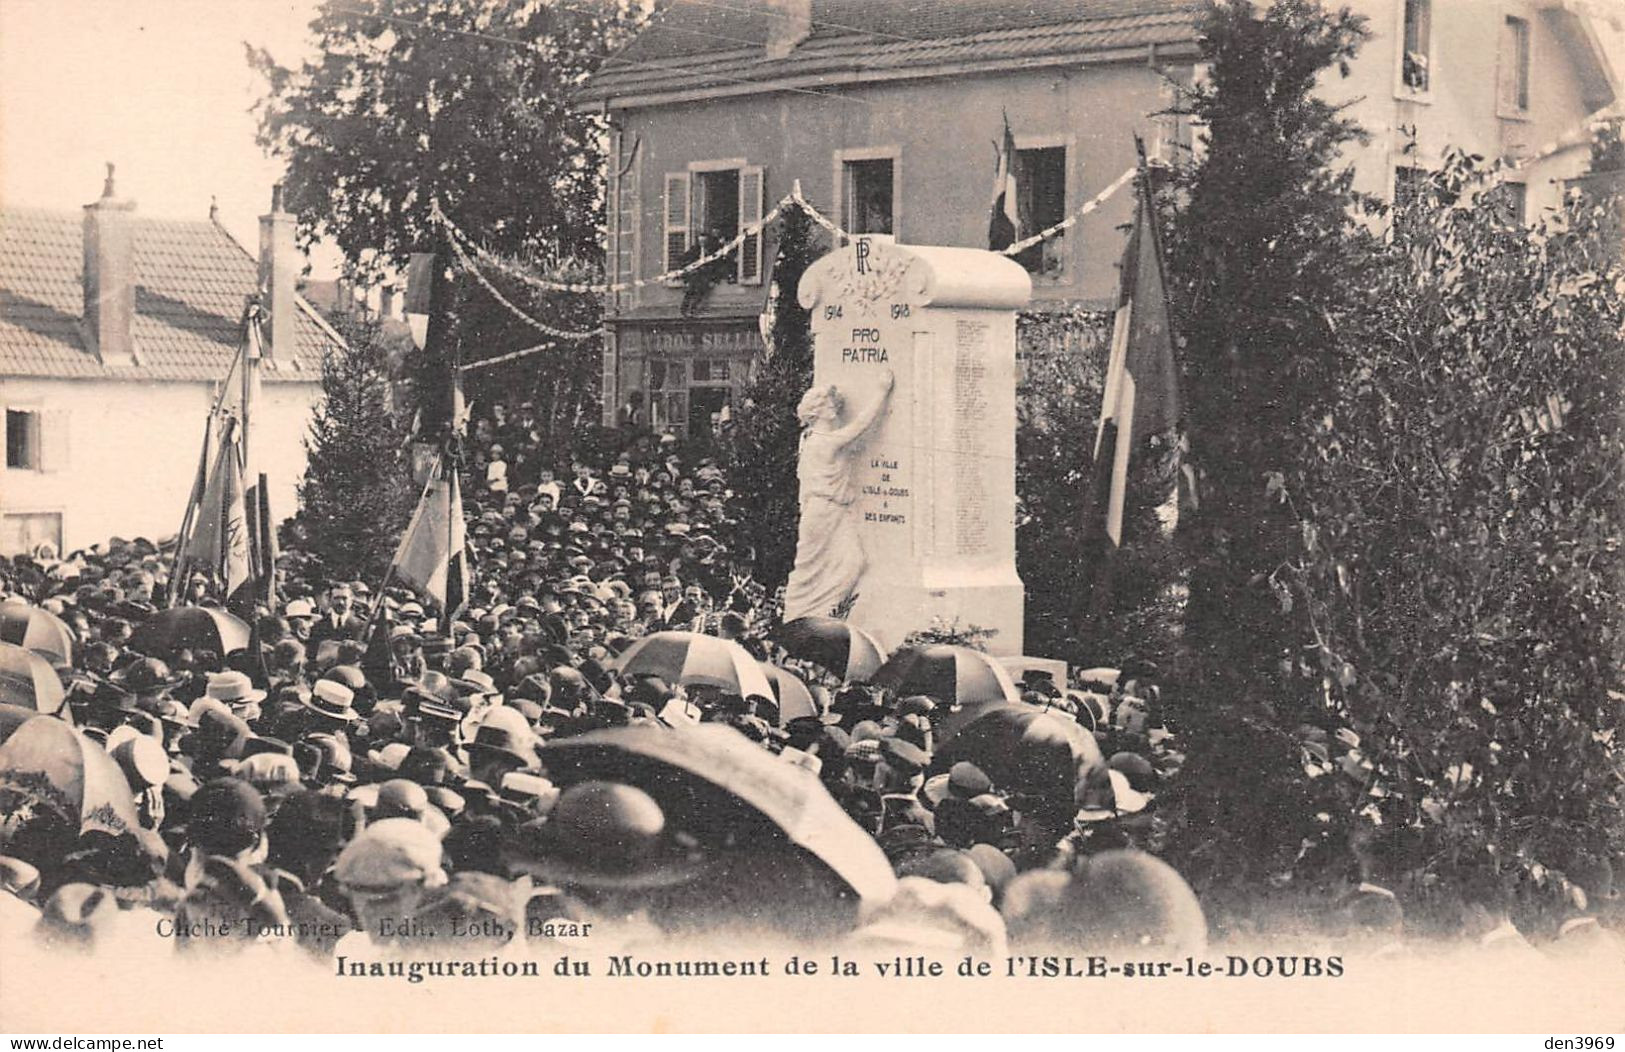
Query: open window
[(1041, 200), (1416, 53), (866, 193), (36, 440), (709, 206), (1510, 201)]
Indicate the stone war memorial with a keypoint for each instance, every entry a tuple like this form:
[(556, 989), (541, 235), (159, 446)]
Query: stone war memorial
[(908, 481)]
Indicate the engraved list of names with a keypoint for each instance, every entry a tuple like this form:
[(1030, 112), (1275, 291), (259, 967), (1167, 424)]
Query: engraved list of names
[(969, 436)]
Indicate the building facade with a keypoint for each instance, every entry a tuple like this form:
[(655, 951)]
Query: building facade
[(1514, 80), (889, 125), (116, 334), (888, 116)]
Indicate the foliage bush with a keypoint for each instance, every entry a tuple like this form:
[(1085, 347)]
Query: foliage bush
[(1456, 579), (1405, 600)]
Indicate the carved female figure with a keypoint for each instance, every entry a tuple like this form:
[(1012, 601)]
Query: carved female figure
[(829, 554)]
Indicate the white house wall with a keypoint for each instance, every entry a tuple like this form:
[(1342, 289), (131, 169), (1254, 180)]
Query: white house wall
[(1460, 108), (132, 453)]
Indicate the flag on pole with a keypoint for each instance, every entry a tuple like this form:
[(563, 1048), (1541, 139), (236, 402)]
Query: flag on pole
[(433, 555), (1138, 446), (220, 543), (194, 504), (1004, 228)]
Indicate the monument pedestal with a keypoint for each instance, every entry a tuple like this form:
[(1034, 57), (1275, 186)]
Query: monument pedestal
[(936, 487)]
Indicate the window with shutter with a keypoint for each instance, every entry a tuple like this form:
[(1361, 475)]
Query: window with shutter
[(677, 221), (750, 213), (53, 430)]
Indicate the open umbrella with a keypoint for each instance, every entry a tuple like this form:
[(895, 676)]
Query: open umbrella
[(14, 716), (724, 789), (47, 765), (36, 629), (841, 648), (690, 658), (28, 680), (1023, 749), (194, 627), (950, 674), (790, 692)]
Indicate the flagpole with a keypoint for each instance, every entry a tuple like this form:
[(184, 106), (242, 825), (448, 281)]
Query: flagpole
[(251, 374)]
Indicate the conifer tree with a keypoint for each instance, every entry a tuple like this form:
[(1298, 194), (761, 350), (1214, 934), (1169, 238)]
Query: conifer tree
[(763, 444), (357, 494)]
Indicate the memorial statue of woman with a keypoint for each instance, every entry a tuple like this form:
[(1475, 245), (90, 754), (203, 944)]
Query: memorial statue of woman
[(829, 555)]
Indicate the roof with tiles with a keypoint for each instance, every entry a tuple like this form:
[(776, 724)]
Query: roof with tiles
[(191, 280), (697, 44)]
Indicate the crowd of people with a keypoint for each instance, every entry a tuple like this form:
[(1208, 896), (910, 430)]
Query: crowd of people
[(367, 778)]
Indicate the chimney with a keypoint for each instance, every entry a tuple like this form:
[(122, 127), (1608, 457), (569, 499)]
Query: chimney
[(110, 277), (789, 22), (279, 277), (386, 304)]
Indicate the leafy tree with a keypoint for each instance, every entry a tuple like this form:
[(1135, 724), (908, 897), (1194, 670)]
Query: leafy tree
[(357, 493), (762, 447), (1063, 366), (464, 101)]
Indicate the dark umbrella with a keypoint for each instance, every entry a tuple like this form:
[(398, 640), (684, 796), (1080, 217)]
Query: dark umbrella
[(1023, 749), (28, 680), (836, 646), (950, 674), (715, 782), (37, 629), (194, 627), (48, 765)]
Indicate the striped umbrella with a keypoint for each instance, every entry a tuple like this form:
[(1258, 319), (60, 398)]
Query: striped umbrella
[(842, 648), (28, 680), (47, 765), (950, 674), (791, 693), (690, 658), (36, 629)]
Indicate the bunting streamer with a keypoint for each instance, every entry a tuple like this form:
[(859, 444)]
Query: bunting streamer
[(468, 250)]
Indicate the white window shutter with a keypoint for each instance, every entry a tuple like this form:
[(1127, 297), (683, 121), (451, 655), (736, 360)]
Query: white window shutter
[(677, 222), (53, 434), (750, 213)]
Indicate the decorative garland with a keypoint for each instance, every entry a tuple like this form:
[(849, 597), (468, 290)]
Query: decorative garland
[(466, 248)]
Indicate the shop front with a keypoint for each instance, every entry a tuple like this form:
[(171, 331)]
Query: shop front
[(678, 376)]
